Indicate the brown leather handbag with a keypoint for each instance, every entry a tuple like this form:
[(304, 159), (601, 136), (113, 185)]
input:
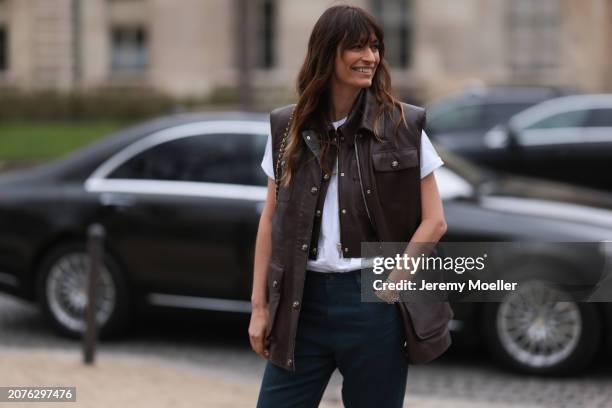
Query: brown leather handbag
[(426, 328), (426, 325)]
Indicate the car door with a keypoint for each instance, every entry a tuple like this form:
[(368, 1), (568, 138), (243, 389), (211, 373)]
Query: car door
[(597, 148), (598, 132), (182, 211), (553, 146)]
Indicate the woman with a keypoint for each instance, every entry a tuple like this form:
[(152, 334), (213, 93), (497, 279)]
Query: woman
[(354, 166)]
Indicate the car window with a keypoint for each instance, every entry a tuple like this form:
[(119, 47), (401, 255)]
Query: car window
[(575, 118), (600, 118), (496, 113), (455, 119), (213, 158)]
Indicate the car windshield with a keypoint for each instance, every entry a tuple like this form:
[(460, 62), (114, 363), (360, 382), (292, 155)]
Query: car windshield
[(466, 116)]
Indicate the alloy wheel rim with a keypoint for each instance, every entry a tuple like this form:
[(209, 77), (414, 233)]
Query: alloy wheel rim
[(66, 290), (536, 328)]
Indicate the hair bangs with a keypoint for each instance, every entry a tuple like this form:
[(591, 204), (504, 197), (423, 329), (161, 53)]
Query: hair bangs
[(358, 30)]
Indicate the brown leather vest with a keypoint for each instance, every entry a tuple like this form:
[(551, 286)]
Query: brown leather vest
[(386, 177)]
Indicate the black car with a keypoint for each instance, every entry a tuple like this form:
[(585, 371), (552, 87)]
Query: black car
[(566, 139), (460, 121), (180, 199)]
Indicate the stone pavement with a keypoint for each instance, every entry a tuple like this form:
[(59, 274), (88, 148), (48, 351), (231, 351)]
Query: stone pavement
[(208, 360), (124, 380)]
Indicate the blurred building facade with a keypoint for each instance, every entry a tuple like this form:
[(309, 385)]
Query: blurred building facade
[(193, 47)]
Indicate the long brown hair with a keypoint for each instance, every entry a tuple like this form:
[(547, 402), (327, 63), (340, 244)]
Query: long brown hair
[(339, 28)]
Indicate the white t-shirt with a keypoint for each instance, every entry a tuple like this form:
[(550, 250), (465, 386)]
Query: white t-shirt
[(329, 258)]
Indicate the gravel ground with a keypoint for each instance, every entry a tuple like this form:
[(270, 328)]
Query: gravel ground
[(207, 362)]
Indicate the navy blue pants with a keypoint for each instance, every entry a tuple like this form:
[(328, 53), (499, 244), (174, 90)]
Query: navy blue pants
[(336, 329)]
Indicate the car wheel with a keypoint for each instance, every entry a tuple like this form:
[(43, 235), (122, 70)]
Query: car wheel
[(532, 331), (62, 292)]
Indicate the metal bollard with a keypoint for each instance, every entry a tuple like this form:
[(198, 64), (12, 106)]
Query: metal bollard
[(95, 250)]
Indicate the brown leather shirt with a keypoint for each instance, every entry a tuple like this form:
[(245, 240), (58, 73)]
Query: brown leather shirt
[(390, 176)]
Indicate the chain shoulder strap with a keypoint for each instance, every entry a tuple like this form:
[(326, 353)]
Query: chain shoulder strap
[(281, 152)]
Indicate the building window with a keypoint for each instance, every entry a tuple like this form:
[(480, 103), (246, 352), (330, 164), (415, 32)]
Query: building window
[(396, 18), (3, 48), (533, 35), (266, 33), (130, 49)]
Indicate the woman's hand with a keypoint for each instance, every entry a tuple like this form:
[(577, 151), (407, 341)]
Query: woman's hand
[(257, 330)]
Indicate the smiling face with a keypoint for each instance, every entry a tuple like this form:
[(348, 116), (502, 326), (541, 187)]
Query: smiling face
[(356, 65)]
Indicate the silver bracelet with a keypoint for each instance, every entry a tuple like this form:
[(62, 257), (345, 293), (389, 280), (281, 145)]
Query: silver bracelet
[(396, 296)]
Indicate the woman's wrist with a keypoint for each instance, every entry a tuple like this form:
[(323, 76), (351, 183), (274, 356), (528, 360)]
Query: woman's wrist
[(258, 302), (388, 295)]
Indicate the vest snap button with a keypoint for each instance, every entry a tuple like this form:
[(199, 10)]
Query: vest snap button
[(314, 190), (394, 163), (289, 362), (275, 284), (304, 247), (296, 304), (368, 191), (318, 213), (343, 211)]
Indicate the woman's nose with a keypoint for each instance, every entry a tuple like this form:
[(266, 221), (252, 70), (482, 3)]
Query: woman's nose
[(368, 55)]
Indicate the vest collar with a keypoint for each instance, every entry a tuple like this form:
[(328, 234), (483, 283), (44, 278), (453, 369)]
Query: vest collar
[(362, 115), (361, 118)]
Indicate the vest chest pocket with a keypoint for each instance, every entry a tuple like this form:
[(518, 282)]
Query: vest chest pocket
[(396, 175), (395, 160)]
